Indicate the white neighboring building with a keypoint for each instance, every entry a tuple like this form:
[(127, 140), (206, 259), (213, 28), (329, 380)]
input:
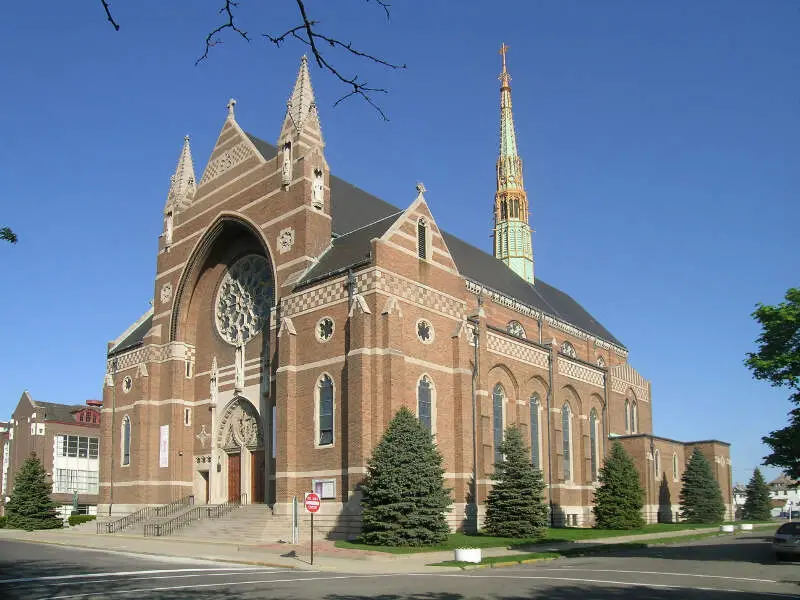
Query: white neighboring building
[(785, 493)]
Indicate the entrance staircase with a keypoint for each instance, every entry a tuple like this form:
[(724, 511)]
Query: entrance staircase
[(249, 524)]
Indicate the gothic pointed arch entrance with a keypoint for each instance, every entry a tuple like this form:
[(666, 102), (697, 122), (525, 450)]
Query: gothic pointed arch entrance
[(240, 437)]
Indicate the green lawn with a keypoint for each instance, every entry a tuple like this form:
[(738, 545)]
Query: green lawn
[(584, 551), (569, 534)]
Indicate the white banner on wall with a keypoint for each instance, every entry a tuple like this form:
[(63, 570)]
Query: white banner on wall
[(163, 446)]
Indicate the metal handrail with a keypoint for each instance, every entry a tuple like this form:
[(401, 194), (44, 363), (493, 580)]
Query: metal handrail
[(144, 514), (196, 513)]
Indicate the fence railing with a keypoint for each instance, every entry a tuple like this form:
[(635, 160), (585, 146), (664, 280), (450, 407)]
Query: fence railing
[(144, 514), (196, 513)]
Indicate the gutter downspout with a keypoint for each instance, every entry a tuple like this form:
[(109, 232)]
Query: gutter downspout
[(549, 433)]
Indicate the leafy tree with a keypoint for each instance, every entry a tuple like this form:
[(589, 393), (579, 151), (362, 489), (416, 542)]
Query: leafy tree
[(30, 506), (516, 506), (404, 499), (757, 502), (619, 499), (7, 235), (778, 361), (701, 498)]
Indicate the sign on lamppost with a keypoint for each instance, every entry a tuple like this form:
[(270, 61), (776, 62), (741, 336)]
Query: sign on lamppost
[(312, 504)]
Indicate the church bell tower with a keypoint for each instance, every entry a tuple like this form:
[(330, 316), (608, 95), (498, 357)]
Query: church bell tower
[(512, 234)]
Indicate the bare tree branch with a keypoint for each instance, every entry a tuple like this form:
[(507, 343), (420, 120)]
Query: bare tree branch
[(211, 40), (111, 20), (306, 33), (312, 37)]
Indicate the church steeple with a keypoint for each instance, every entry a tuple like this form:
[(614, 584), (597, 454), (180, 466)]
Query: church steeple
[(182, 188), (512, 234)]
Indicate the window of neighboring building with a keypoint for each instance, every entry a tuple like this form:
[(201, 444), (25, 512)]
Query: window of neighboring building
[(126, 441), (325, 411), (422, 238), (535, 406), (425, 403), (566, 425), (498, 397), (593, 442), (67, 481), (77, 446)]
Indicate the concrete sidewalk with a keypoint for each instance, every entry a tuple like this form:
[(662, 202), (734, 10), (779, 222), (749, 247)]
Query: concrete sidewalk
[(326, 556)]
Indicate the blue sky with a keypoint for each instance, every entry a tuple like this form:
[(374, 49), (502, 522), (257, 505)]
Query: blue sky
[(659, 139)]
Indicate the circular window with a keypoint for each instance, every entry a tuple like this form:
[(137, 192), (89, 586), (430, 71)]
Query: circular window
[(244, 299), (515, 328), (325, 329), (127, 384), (424, 331)]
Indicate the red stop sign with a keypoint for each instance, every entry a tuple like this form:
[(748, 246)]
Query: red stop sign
[(312, 502)]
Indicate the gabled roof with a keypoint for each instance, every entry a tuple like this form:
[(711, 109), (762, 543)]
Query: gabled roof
[(60, 412), (359, 217)]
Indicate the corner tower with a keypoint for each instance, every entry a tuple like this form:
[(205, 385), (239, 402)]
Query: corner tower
[(512, 234)]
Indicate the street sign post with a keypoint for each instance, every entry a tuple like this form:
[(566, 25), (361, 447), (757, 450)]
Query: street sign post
[(312, 504)]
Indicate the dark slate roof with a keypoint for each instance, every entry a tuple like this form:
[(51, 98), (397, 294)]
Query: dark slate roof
[(363, 217), (58, 412), (134, 338)]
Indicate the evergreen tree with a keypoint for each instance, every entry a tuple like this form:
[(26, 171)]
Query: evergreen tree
[(757, 502), (404, 499), (701, 499), (619, 499), (30, 506), (516, 506)]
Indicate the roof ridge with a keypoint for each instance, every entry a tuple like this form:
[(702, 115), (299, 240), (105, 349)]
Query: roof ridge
[(399, 212)]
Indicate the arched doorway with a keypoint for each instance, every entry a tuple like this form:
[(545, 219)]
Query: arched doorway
[(240, 437)]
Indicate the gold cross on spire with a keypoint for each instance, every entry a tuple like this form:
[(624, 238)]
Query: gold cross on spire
[(503, 50)]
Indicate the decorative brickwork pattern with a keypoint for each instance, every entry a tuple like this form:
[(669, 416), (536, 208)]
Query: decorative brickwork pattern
[(580, 372), (526, 353), (374, 279), (625, 376), (153, 353), (227, 160)]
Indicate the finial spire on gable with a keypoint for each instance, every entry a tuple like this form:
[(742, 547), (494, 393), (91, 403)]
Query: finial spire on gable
[(182, 184), (301, 104)]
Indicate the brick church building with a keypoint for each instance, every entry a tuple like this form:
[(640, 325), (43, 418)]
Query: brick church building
[(294, 313)]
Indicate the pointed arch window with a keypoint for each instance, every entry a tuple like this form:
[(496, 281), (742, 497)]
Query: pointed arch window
[(422, 238), (634, 417), (569, 350), (674, 467), (515, 328), (126, 441), (627, 416), (325, 411), (601, 362), (535, 445), (498, 398), (503, 210), (566, 425), (425, 403), (594, 440), (657, 460)]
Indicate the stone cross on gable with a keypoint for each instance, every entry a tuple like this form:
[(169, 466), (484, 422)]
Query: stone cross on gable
[(230, 105), (421, 188)]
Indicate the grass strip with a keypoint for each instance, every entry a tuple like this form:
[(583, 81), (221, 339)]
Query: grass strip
[(568, 534)]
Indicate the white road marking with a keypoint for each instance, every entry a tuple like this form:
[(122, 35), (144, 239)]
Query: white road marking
[(207, 585), (204, 574), (657, 573), (122, 573)]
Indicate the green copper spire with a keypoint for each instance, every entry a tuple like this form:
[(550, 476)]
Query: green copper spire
[(512, 234)]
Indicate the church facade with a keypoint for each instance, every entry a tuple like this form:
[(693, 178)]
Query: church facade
[(293, 315)]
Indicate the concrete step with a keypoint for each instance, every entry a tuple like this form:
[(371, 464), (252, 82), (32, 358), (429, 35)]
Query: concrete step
[(249, 524)]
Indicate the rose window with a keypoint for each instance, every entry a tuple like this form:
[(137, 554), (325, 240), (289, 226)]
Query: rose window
[(244, 299)]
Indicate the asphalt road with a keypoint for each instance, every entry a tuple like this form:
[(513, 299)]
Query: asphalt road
[(743, 568)]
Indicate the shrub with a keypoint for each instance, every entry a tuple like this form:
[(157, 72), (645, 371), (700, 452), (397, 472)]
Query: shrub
[(78, 519)]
